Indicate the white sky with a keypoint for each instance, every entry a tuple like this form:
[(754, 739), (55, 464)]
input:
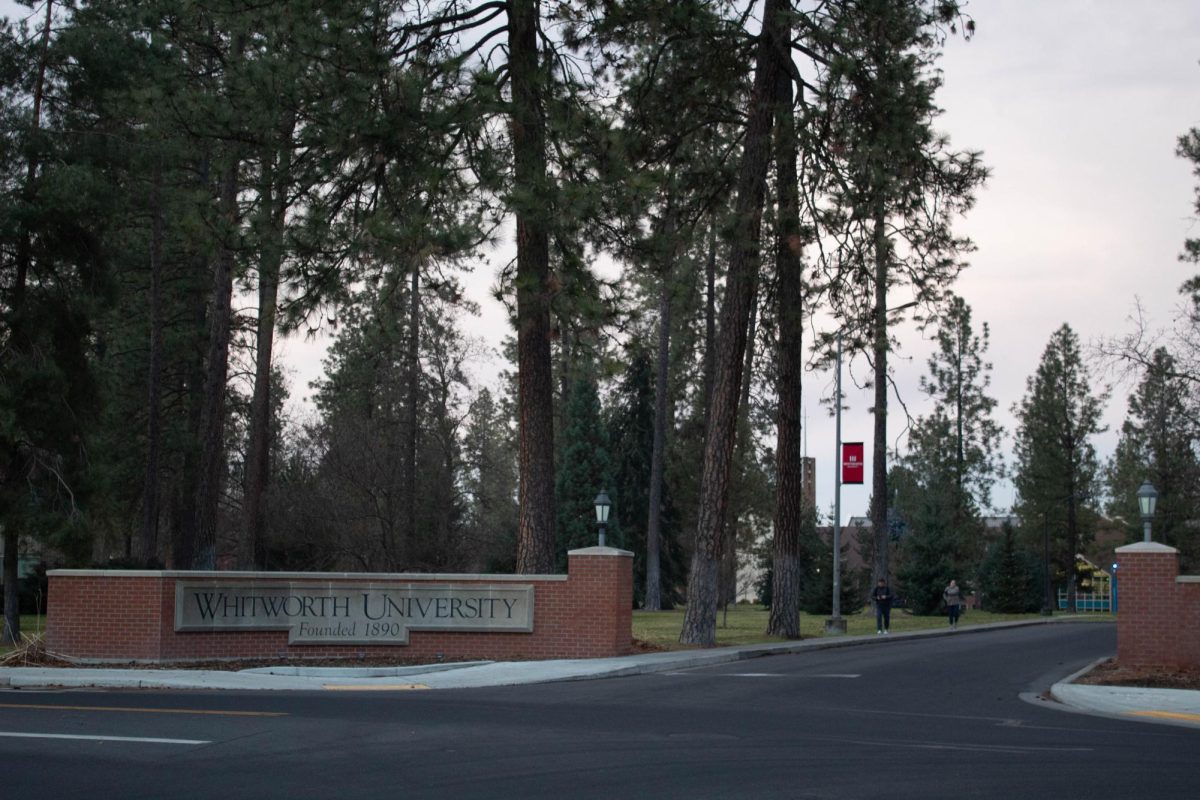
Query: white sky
[(1077, 106)]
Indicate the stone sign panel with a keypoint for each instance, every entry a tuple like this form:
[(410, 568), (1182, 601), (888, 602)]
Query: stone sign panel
[(351, 613)]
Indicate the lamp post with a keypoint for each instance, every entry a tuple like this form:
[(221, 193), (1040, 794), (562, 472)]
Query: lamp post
[(835, 623), (603, 504), (1147, 500)]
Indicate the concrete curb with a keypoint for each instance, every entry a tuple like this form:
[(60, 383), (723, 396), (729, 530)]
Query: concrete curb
[(360, 672), (1180, 707), (457, 675)]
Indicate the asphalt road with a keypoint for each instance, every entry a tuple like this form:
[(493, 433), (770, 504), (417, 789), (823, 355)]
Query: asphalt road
[(930, 718)]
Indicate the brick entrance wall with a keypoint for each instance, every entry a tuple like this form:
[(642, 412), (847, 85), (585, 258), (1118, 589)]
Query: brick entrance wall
[(1158, 610), (109, 616)]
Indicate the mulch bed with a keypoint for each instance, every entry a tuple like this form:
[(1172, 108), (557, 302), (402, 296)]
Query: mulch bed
[(1110, 673)]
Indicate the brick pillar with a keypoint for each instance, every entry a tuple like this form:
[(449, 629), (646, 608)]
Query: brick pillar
[(601, 580), (1148, 617)]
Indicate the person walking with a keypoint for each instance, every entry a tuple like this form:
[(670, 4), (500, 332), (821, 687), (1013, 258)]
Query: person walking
[(952, 596), (882, 597)]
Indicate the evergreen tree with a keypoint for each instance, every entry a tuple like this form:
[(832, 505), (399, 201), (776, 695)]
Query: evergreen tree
[(666, 167), (948, 468), (897, 186), (585, 468), (957, 383), (1158, 443), (1189, 148), (789, 297), (1010, 575), (490, 483), (771, 57), (364, 433), (940, 536), (816, 573), (1056, 472), (53, 209), (631, 434)]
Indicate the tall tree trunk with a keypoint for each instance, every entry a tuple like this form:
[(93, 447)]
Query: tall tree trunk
[(652, 600), (710, 316), (743, 445), (699, 625), (216, 371), (147, 543), (184, 496), (11, 633), (183, 512), (879, 490), (252, 551), (535, 529), (12, 594), (414, 400), (785, 548)]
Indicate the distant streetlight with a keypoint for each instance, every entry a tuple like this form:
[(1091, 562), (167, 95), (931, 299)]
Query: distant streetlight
[(603, 504), (1147, 500), (1113, 590), (835, 623)]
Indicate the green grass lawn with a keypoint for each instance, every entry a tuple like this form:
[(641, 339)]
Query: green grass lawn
[(744, 624)]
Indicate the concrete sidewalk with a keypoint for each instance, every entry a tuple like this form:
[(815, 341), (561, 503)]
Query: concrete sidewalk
[(1168, 706), (1160, 705)]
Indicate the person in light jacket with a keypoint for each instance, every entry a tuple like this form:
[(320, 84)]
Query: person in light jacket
[(952, 596)]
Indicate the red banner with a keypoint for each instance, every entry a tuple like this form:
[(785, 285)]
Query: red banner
[(852, 462)]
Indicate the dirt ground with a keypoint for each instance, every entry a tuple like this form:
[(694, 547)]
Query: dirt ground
[(1109, 673)]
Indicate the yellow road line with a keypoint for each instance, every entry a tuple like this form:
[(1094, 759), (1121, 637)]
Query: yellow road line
[(373, 687), (1166, 715), (48, 707)]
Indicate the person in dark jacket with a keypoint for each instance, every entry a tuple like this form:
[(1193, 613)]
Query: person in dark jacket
[(882, 597)]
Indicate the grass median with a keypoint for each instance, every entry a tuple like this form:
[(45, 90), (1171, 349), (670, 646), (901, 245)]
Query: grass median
[(745, 624)]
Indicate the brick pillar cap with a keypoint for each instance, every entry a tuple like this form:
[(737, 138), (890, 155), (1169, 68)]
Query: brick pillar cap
[(1147, 547), (599, 551)]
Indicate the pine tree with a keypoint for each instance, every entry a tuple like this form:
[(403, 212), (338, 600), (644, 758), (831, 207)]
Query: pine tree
[(631, 432), (789, 290), (1056, 472), (490, 483), (947, 471), (585, 468), (772, 52), (1010, 575), (1189, 148), (54, 204), (1158, 443), (940, 534), (957, 383), (896, 187)]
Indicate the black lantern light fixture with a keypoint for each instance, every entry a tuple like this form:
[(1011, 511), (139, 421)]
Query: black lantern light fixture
[(1147, 500), (603, 504)]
